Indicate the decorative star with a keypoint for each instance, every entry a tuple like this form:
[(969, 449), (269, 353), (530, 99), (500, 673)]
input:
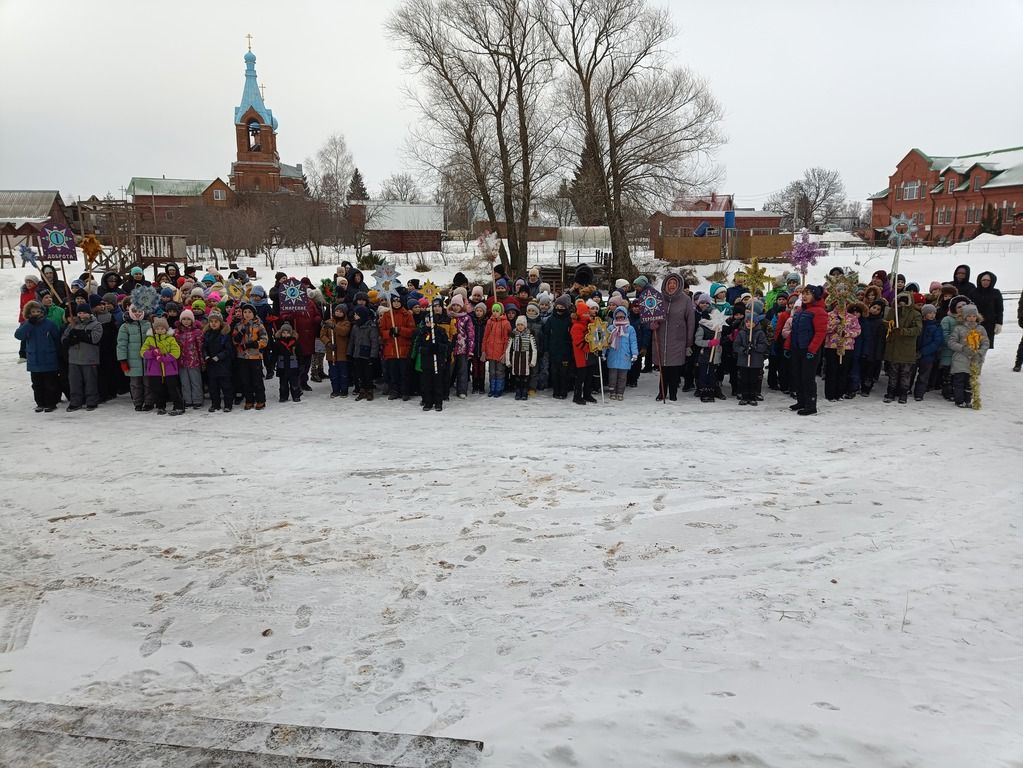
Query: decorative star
[(386, 281), (842, 288), (430, 291), (596, 335), (901, 222), (756, 277)]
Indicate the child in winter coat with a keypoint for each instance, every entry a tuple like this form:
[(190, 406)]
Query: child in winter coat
[(709, 342), (777, 364), (42, 349), (520, 357), (286, 353), (947, 325), (363, 348), (644, 336), (929, 346), (190, 364), (218, 352), (839, 343), (464, 344), (130, 335), (161, 352), (751, 347), (622, 352), (585, 361), (477, 360), (557, 344), (535, 325), (82, 338), (900, 349), (431, 348), (250, 339), (334, 335), (809, 328), (495, 342), (28, 293), (397, 327), (873, 334), (969, 344)]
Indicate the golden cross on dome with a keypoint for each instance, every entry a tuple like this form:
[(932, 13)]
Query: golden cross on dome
[(262, 91), (249, 38)]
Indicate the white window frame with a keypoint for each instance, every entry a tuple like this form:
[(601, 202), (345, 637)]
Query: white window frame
[(976, 182), (950, 186), (911, 191), (219, 194)]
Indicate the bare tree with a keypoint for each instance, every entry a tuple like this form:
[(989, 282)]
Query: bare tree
[(559, 205), (813, 201), (485, 72), (652, 126), (401, 186)]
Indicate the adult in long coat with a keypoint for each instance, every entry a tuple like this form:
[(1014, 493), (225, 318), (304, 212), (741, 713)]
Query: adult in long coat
[(307, 329), (673, 336), (989, 303)]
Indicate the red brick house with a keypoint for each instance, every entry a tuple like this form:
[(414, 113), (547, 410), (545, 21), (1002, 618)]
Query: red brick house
[(166, 199), (947, 197)]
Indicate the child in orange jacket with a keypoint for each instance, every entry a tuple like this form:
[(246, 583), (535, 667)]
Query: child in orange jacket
[(495, 342)]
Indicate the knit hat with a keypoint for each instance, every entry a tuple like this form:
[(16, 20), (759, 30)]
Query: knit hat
[(198, 305), (521, 322), (593, 305), (510, 306), (160, 323), (641, 282), (534, 273), (970, 309), (137, 271), (478, 305), (110, 297), (564, 300), (167, 292), (341, 307), (497, 309), (815, 290), (792, 277), (95, 300), (246, 305), (172, 306), (620, 283), (196, 293), (83, 308), (411, 303), (581, 309), (880, 274), (208, 279), (934, 286), (928, 309), (533, 309), (285, 327), (544, 298), (215, 315), (457, 301), (186, 314), (716, 288)]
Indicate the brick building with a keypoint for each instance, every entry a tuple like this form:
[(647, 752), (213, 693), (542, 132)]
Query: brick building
[(947, 197), (710, 222), (393, 225)]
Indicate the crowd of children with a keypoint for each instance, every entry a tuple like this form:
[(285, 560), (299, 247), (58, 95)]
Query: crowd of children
[(223, 339)]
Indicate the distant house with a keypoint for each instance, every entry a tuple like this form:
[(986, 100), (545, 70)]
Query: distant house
[(947, 197), (690, 223), (165, 200), (393, 225), (23, 213), (711, 202)]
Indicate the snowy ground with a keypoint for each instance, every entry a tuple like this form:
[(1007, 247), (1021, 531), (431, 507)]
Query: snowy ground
[(629, 585)]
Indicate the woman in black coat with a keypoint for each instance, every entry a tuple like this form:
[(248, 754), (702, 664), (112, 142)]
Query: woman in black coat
[(989, 302)]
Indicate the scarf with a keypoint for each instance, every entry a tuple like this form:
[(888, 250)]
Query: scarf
[(619, 328)]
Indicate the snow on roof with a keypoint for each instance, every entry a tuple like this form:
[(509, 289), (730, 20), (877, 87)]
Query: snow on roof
[(141, 185), (291, 171), (879, 195), (26, 204), (1012, 177), (395, 215), (19, 222), (995, 160)]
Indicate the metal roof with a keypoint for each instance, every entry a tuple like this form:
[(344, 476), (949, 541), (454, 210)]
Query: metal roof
[(291, 171), (27, 204), (141, 185), (396, 216)]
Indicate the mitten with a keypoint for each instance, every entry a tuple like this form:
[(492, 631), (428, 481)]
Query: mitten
[(714, 343), (810, 356), (634, 358), (394, 332), (125, 367)]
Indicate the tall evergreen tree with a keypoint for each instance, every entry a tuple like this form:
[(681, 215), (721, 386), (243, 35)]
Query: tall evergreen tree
[(357, 189), (585, 190)]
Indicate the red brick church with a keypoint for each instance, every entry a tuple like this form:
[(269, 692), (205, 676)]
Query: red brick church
[(257, 167)]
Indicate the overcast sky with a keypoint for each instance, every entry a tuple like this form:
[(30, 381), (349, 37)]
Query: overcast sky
[(95, 93)]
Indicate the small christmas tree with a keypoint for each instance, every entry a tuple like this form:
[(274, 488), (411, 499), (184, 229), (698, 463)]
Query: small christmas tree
[(357, 188), (804, 254)]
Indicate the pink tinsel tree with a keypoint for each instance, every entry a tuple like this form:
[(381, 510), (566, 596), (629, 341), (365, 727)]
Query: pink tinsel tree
[(804, 254)]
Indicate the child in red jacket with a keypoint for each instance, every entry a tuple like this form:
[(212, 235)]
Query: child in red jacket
[(581, 355)]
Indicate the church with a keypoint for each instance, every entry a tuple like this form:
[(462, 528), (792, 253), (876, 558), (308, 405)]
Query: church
[(257, 167)]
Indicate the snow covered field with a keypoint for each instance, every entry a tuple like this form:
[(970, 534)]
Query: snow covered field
[(637, 584)]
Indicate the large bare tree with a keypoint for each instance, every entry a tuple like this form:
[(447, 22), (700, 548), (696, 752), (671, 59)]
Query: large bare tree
[(651, 126), (485, 72), (813, 201), (401, 186)]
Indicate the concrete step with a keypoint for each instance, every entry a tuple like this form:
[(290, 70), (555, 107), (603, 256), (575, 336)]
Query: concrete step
[(87, 728)]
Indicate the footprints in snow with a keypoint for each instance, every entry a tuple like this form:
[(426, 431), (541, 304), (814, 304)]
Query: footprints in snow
[(303, 617), (154, 640), (477, 552)]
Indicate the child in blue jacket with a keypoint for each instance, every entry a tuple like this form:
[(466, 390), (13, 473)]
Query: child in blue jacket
[(622, 352), (644, 337), (929, 345)]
